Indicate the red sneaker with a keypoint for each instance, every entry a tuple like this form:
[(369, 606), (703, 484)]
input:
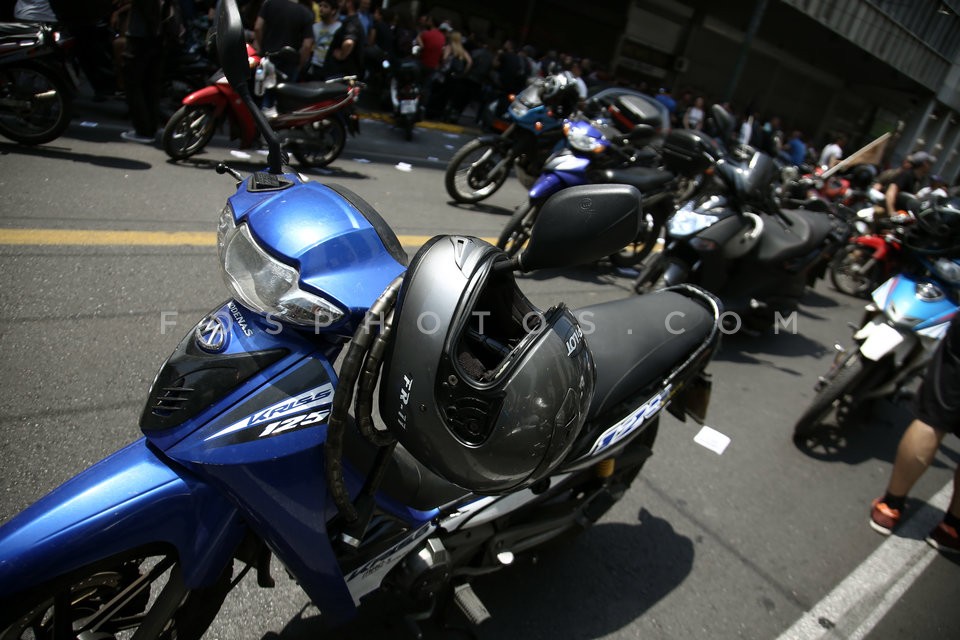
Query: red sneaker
[(883, 519), (944, 538)]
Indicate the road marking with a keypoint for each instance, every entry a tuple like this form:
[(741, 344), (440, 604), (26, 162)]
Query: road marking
[(859, 603), (90, 237)]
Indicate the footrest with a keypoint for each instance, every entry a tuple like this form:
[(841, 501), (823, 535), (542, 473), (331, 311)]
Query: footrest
[(469, 603)]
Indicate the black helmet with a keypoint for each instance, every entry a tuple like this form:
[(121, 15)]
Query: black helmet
[(480, 386), (937, 230), (560, 90)]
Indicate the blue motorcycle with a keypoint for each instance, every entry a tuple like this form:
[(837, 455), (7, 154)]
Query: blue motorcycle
[(900, 330), (596, 152), (532, 130), (255, 445)]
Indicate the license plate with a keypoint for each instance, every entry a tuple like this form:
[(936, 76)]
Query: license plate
[(408, 106), (881, 340)]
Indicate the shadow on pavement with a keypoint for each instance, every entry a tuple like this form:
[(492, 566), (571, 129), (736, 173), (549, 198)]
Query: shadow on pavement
[(616, 571), (53, 150)]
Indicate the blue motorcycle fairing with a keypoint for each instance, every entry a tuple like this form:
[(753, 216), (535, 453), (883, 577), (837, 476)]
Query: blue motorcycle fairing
[(195, 384), (898, 300), (126, 501), (342, 247), (555, 178)]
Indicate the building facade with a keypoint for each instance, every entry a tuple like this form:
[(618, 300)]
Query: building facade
[(857, 67)]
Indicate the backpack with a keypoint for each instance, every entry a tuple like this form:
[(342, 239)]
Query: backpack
[(455, 67)]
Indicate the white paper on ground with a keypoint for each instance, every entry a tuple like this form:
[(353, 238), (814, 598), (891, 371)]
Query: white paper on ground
[(403, 166), (712, 439)]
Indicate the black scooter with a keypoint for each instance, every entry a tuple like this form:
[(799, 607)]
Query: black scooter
[(734, 240), (37, 87)]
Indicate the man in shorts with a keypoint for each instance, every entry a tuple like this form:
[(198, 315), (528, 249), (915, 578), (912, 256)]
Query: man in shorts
[(937, 412)]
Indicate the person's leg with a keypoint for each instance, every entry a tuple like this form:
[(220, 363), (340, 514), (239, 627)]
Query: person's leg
[(135, 61), (945, 536), (916, 451), (954, 508)]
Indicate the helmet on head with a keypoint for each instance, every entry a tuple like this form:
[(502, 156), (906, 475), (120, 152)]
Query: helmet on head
[(560, 90), (862, 176), (479, 385)]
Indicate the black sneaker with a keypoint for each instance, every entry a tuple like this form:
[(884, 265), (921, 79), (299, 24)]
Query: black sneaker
[(944, 538)]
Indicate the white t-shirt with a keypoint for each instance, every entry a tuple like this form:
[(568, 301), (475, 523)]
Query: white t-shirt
[(694, 116), (830, 151), (322, 37)]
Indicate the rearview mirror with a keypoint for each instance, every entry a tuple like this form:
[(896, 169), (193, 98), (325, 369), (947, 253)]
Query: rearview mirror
[(232, 49), (231, 46), (582, 224)]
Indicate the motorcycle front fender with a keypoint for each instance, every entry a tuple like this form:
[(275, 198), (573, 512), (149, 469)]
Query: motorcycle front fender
[(210, 95), (128, 500)]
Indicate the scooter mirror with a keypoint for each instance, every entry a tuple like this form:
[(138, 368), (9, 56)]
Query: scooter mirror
[(582, 224), (230, 43), (232, 49)]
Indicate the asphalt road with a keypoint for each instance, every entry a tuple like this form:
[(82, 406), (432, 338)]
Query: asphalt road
[(763, 541)]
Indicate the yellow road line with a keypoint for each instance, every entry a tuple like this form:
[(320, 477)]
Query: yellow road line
[(90, 237)]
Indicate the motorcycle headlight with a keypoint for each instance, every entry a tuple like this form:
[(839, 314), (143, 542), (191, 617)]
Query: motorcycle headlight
[(581, 139), (263, 283), (948, 270), (518, 109), (686, 222)]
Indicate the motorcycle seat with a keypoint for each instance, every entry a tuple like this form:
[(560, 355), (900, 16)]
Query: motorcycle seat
[(638, 340), (307, 92), (781, 242), (643, 178)]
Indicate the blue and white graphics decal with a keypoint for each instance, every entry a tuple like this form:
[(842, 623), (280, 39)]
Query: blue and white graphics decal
[(631, 423), (309, 408)]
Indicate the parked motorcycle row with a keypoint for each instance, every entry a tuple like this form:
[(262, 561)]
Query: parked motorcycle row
[(755, 234), (425, 459)]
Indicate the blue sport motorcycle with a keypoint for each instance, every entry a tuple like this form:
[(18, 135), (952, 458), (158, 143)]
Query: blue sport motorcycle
[(254, 446), (532, 130), (900, 330)]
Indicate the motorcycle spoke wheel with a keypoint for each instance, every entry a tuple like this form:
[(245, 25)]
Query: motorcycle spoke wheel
[(34, 105), (323, 143), (468, 178), (188, 131), (115, 599), (847, 274), (517, 231), (840, 392)]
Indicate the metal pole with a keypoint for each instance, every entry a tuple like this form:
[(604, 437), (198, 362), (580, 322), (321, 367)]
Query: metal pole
[(758, 11)]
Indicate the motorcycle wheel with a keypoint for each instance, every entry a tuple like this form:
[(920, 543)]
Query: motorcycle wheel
[(635, 252), (839, 390), (652, 274), (847, 276), (468, 178), (517, 231), (35, 104), (141, 592), (188, 131), (325, 140)]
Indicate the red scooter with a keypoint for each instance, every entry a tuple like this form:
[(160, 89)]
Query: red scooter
[(871, 258), (312, 118)]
